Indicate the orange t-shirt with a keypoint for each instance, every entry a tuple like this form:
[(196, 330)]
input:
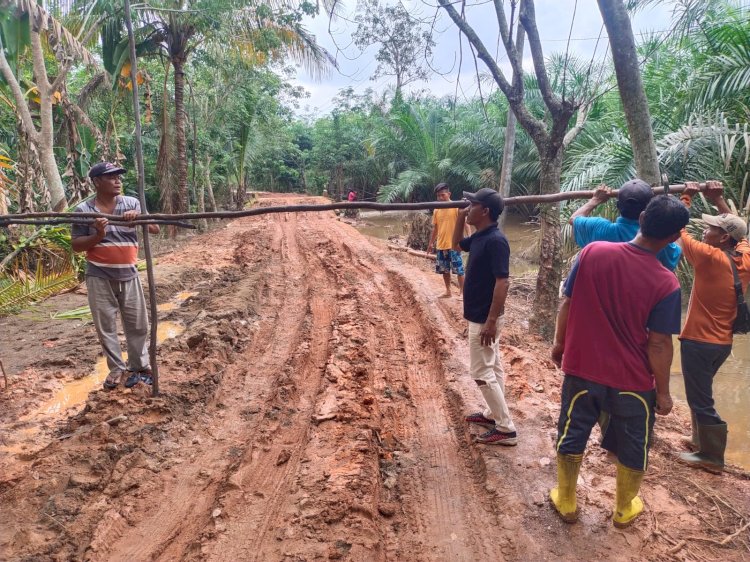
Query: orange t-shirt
[(713, 302)]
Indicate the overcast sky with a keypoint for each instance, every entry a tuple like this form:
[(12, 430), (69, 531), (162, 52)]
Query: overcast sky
[(554, 19)]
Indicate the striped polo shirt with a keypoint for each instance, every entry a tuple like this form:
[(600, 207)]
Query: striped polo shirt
[(113, 258)]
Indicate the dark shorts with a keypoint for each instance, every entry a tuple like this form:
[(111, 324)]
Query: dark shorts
[(631, 420), (449, 261)]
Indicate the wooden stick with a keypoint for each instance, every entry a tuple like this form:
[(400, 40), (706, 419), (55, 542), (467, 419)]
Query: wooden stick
[(510, 201), (181, 224), (142, 196), (411, 251), (5, 377)]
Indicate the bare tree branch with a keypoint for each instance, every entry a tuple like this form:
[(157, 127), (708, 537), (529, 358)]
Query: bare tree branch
[(536, 128), (581, 117), (527, 16)]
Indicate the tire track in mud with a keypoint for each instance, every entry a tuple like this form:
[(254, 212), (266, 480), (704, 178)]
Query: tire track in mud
[(262, 481), (442, 488), (384, 397)]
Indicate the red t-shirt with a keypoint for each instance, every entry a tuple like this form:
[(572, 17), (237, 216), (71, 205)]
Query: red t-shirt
[(618, 293)]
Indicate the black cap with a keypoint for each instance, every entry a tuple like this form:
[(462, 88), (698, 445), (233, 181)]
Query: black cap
[(633, 197), (441, 186), (105, 168), (487, 197)]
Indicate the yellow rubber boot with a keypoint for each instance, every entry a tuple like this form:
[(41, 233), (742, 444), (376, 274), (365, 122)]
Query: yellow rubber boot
[(628, 505), (563, 497)]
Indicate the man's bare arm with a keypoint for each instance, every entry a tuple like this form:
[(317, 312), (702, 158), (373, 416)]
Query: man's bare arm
[(458, 230), (497, 309), (660, 359), (601, 194), (83, 243), (560, 331)]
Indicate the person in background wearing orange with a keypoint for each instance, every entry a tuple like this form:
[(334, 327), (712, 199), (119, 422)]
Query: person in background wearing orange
[(706, 338), (447, 260)]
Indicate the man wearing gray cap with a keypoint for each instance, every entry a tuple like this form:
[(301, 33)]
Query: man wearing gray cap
[(111, 276), (706, 337), (485, 290), (632, 199)]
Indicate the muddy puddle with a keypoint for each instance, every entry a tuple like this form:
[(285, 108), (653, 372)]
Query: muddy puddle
[(732, 396), (521, 235), (76, 392)]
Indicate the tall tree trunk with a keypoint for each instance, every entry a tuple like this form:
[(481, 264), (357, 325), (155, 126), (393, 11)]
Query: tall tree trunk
[(26, 167), (506, 169), (201, 202), (164, 158), (180, 119), (550, 261), (630, 84), (209, 187)]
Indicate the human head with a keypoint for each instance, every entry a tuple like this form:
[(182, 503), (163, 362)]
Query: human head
[(723, 231), (665, 216), (488, 199), (106, 175), (633, 197), (442, 192)]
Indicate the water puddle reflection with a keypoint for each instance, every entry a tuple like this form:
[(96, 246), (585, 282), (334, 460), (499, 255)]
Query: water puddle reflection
[(521, 235), (76, 392), (175, 301)]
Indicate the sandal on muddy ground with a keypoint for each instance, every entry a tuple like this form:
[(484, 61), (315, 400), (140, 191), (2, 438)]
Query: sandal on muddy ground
[(140, 376), (112, 381)]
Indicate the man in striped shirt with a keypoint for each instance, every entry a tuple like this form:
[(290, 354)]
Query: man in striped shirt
[(111, 276)]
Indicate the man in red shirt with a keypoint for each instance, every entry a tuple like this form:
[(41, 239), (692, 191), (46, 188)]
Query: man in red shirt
[(614, 344)]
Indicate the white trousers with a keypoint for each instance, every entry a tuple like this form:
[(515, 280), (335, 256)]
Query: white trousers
[(485, 366)]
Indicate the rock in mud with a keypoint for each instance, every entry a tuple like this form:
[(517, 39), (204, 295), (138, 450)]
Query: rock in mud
[(387, 509), (283, 457)]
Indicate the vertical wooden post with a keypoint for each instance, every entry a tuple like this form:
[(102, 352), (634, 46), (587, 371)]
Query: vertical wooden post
[(142, 197)]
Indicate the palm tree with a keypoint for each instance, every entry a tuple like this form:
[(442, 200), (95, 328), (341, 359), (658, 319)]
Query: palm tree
[(418, 140), (175, 29)]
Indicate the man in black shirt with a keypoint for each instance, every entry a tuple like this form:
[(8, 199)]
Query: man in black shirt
[(485, 290)]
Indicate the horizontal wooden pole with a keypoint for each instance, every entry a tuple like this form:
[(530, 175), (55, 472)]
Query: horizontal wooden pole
[(87, 222), (161, 218)]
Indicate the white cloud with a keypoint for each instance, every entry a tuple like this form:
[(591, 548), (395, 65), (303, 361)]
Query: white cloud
[(554, 19)]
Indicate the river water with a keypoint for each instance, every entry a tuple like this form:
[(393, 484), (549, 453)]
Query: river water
[(732, 382)]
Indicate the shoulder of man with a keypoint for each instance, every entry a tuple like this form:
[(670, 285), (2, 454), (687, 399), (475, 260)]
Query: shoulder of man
[(590, 222), (84, 207), (131, 202)]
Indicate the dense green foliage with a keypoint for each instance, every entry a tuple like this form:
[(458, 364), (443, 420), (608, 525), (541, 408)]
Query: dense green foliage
[(242, 132)]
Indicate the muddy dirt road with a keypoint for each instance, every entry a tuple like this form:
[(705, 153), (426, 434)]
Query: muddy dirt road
[(312, 409)]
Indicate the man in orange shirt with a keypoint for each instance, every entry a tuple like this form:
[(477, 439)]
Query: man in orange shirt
[(706, 338)]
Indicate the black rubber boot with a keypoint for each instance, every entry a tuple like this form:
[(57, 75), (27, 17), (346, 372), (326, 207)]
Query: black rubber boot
[(693, 443), (713, 441)]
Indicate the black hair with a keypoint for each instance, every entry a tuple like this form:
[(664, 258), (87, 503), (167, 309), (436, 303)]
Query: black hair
[(664, 217), (631, 208)]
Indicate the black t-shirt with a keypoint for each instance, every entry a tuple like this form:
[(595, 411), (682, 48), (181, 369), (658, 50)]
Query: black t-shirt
[(489, 259)]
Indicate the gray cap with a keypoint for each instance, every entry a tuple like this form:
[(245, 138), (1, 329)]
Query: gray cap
[(104, 169), (731, 224)]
